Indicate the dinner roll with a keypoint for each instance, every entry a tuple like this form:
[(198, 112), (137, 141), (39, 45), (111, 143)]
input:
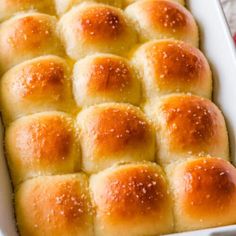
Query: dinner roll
[(112, 133), (158, 19), (36, 85), (41, 144), (105, 78), (58, 205), (169, 66), (10, 7), (26, 36), (204, 191), (131, 200), (188, 125), (63, 6), (93, 27)]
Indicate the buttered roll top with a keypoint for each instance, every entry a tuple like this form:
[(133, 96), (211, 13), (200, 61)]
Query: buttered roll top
[(134, 197), (171, 66), (42, 144), (161, 19), (105, 78), (40, 84), (204, 191), (113, 133), (58, 205), (26, 36), (188, 125), (91, 27)]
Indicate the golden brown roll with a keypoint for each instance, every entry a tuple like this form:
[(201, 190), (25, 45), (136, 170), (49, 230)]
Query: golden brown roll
[(40, 84), (169, 66), (204, 191), (11, 7), (56, 205), (42, 144), (158, 19), (63, 6), (26, 36), (105, 78), (112, 133), (131, 200), (93, 27), (188, 126)]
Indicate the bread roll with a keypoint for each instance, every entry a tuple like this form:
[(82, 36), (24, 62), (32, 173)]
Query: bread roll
[(63, 6), (92, 27), (10, 7), (26, 36), (169, 66), (131, 200), (112, 133), (161, 19), (105, 78), (204, 191), (188, 126), (40, 84), (41, 144), (58, 205)]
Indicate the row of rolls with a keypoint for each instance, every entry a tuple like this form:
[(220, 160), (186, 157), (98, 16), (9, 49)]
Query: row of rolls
[(109, 125), (91, 28)]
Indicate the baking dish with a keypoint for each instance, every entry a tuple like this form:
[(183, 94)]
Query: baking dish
[(217, 44)]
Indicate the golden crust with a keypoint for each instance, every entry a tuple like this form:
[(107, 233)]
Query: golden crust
[(158, 19), (44, 143), (204, 192), (91, 27), (108, 74), (58, 205), (193, 118), (189, 125), (36, 85), (26, 36), (105, 78), (101, 24), (133, 196), (114, 133), (168, 66)]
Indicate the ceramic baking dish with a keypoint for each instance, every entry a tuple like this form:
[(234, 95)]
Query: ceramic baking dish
[(217, 44)]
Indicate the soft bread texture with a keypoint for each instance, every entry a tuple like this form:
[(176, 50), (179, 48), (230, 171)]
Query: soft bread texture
[(58, 205), (63, 6), (11, 7), (105, 78), (26, 36), (42, 144), (112, 133), (80, 151), (204, 192), (158, 19), (92, 27), (170, 66), (188, 125), (37, 85), (131, 200)]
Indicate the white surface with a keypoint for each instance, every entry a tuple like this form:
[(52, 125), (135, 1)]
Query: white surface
[(230, 11), (221, 231), (218, 46), (7, 224)]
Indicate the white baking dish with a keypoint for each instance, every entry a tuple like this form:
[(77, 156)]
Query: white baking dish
[(217, 44)]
